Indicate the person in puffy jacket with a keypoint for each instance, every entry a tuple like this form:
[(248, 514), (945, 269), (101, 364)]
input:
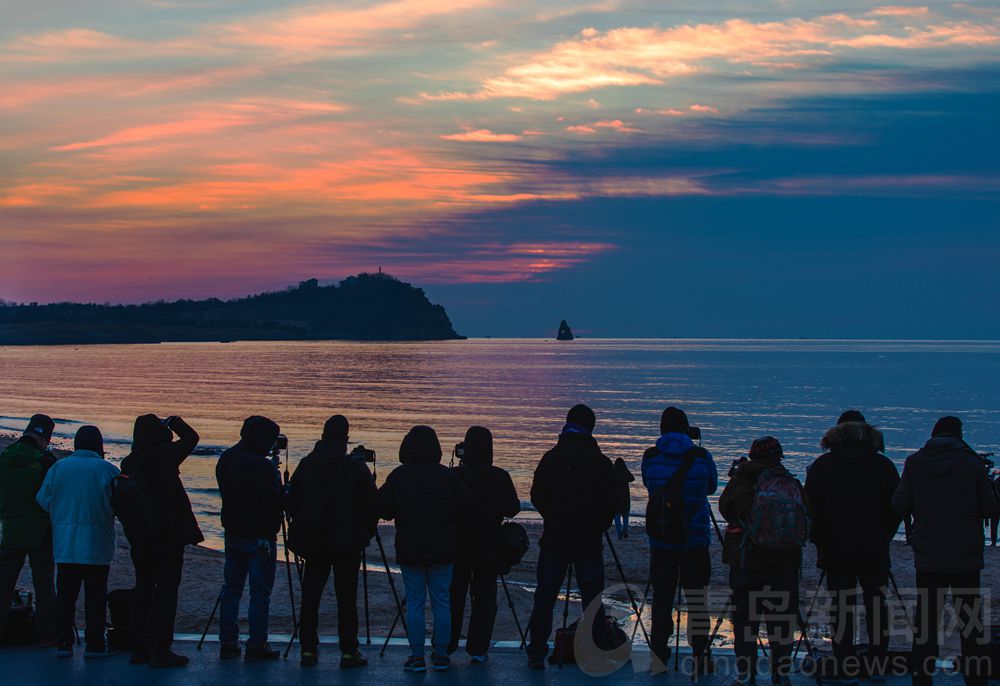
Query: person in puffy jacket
[(687, 562), (27, 532), (850, 490), (253, 500), (426, 500), (764, 582), (574, 491), (77, 495), (159, 561), (946, 487), (493, 498), (333, 510)]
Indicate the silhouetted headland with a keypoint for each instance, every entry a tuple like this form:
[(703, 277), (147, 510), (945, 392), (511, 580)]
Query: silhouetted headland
[(366, 307)]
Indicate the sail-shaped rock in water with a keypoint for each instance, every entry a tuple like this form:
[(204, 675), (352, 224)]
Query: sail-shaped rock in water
[(565, 333)]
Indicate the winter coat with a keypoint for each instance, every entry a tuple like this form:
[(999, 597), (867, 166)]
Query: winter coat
[(946, 488), (623, 477), (427, 500), (22, 469), (77, 495), (850, 492), (574, 491), (253, 497), (660, 463), (332, 502), (735, 505), (159, 458), (493, 498)]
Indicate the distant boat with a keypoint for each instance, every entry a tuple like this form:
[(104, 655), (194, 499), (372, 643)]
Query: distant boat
[(565, 333)]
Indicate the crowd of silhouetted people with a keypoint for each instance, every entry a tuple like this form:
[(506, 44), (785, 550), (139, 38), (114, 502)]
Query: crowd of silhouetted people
[(450, 545)]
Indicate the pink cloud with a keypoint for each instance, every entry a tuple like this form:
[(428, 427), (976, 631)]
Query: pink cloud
[(481, 136), (900, 11), (704, 109)]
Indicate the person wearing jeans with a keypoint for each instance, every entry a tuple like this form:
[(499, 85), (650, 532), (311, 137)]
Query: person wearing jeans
[(426, 499), (77, 495), (256, 558), (252, 503), (421, 581), (574, 489)]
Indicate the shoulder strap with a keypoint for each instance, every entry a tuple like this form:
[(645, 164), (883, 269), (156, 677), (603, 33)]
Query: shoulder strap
[(687, 461)]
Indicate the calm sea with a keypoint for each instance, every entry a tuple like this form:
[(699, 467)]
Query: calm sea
[(521, 389)]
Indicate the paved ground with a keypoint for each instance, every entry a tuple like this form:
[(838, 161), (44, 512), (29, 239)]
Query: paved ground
[(505, 668)]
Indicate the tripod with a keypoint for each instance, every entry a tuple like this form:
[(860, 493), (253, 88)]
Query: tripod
[(562, 646), (510, 604)]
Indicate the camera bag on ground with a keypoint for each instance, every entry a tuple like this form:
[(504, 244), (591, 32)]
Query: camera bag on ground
[(507, 548), (20, 628), (137, 507), (120, 613), (665, 517), (610, 638)]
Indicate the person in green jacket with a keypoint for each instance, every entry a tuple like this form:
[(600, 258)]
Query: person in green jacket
[(27, 532)]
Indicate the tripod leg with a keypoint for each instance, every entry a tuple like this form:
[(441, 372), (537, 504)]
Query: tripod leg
[(642, 605), (809, 611), (392, 583), (204, 632), (899, 597), (628, 589), (677, 628), (364, 581), (569, 584), (510, 604), (288, 571), (392, 629)]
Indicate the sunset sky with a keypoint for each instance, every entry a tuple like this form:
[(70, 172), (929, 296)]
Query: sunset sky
[(646, 167)]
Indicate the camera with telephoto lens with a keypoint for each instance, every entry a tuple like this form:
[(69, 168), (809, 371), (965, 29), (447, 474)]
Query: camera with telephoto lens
[(460, 450), (990, 464), (362, 453), (694, 433)]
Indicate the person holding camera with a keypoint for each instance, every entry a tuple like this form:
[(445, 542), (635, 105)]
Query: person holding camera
[(574, 491), (332, 503), (27, 532), (159, 560), (426, 500), (253, 501), (77, 495), (850, 490), (765, 506), (680, 555), (494, 498), (946, 487)]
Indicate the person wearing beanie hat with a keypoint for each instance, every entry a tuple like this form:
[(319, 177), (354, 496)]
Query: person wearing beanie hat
[(946, 488), (494, 498), (685, 561), (850, 489), (764, 552), (574, 491), (253, 502), (77, 495), (332, 505), (427, 500), (26, 527), (156, 459)]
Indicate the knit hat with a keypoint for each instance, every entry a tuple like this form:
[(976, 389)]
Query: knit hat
[(674, 421), (851, 416), (336, 429), (581, 415), (41, 426), (89, 438), (766, 448), (420, 444), (948, 426), (478, 445)]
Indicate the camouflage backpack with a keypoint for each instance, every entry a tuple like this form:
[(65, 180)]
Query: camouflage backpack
[(778, 519)]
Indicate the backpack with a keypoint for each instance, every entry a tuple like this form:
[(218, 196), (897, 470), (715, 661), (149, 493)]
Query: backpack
[(507, 548), (666, 520), (778, 521), (20, 627), (138, 507), (308, 528)]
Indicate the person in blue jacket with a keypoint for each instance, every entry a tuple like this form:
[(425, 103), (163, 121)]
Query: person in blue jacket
[(687, 562)]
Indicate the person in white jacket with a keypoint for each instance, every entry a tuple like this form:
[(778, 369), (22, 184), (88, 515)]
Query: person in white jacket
[(77, 495)]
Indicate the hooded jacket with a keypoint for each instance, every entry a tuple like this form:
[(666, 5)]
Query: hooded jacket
[(735, 505), (331, 501), (250, 485), (77, 495), (850, 491), (159, 458), (22, 470), (426, 500), (946, 488), (660, 463), (493, 494), (574, 490)]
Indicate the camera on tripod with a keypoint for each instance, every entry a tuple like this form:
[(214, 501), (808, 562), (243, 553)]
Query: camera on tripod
[(362, 453), (280, 443)]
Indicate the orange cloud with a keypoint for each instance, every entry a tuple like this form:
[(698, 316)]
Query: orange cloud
[(482, 136), (704, 109)]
